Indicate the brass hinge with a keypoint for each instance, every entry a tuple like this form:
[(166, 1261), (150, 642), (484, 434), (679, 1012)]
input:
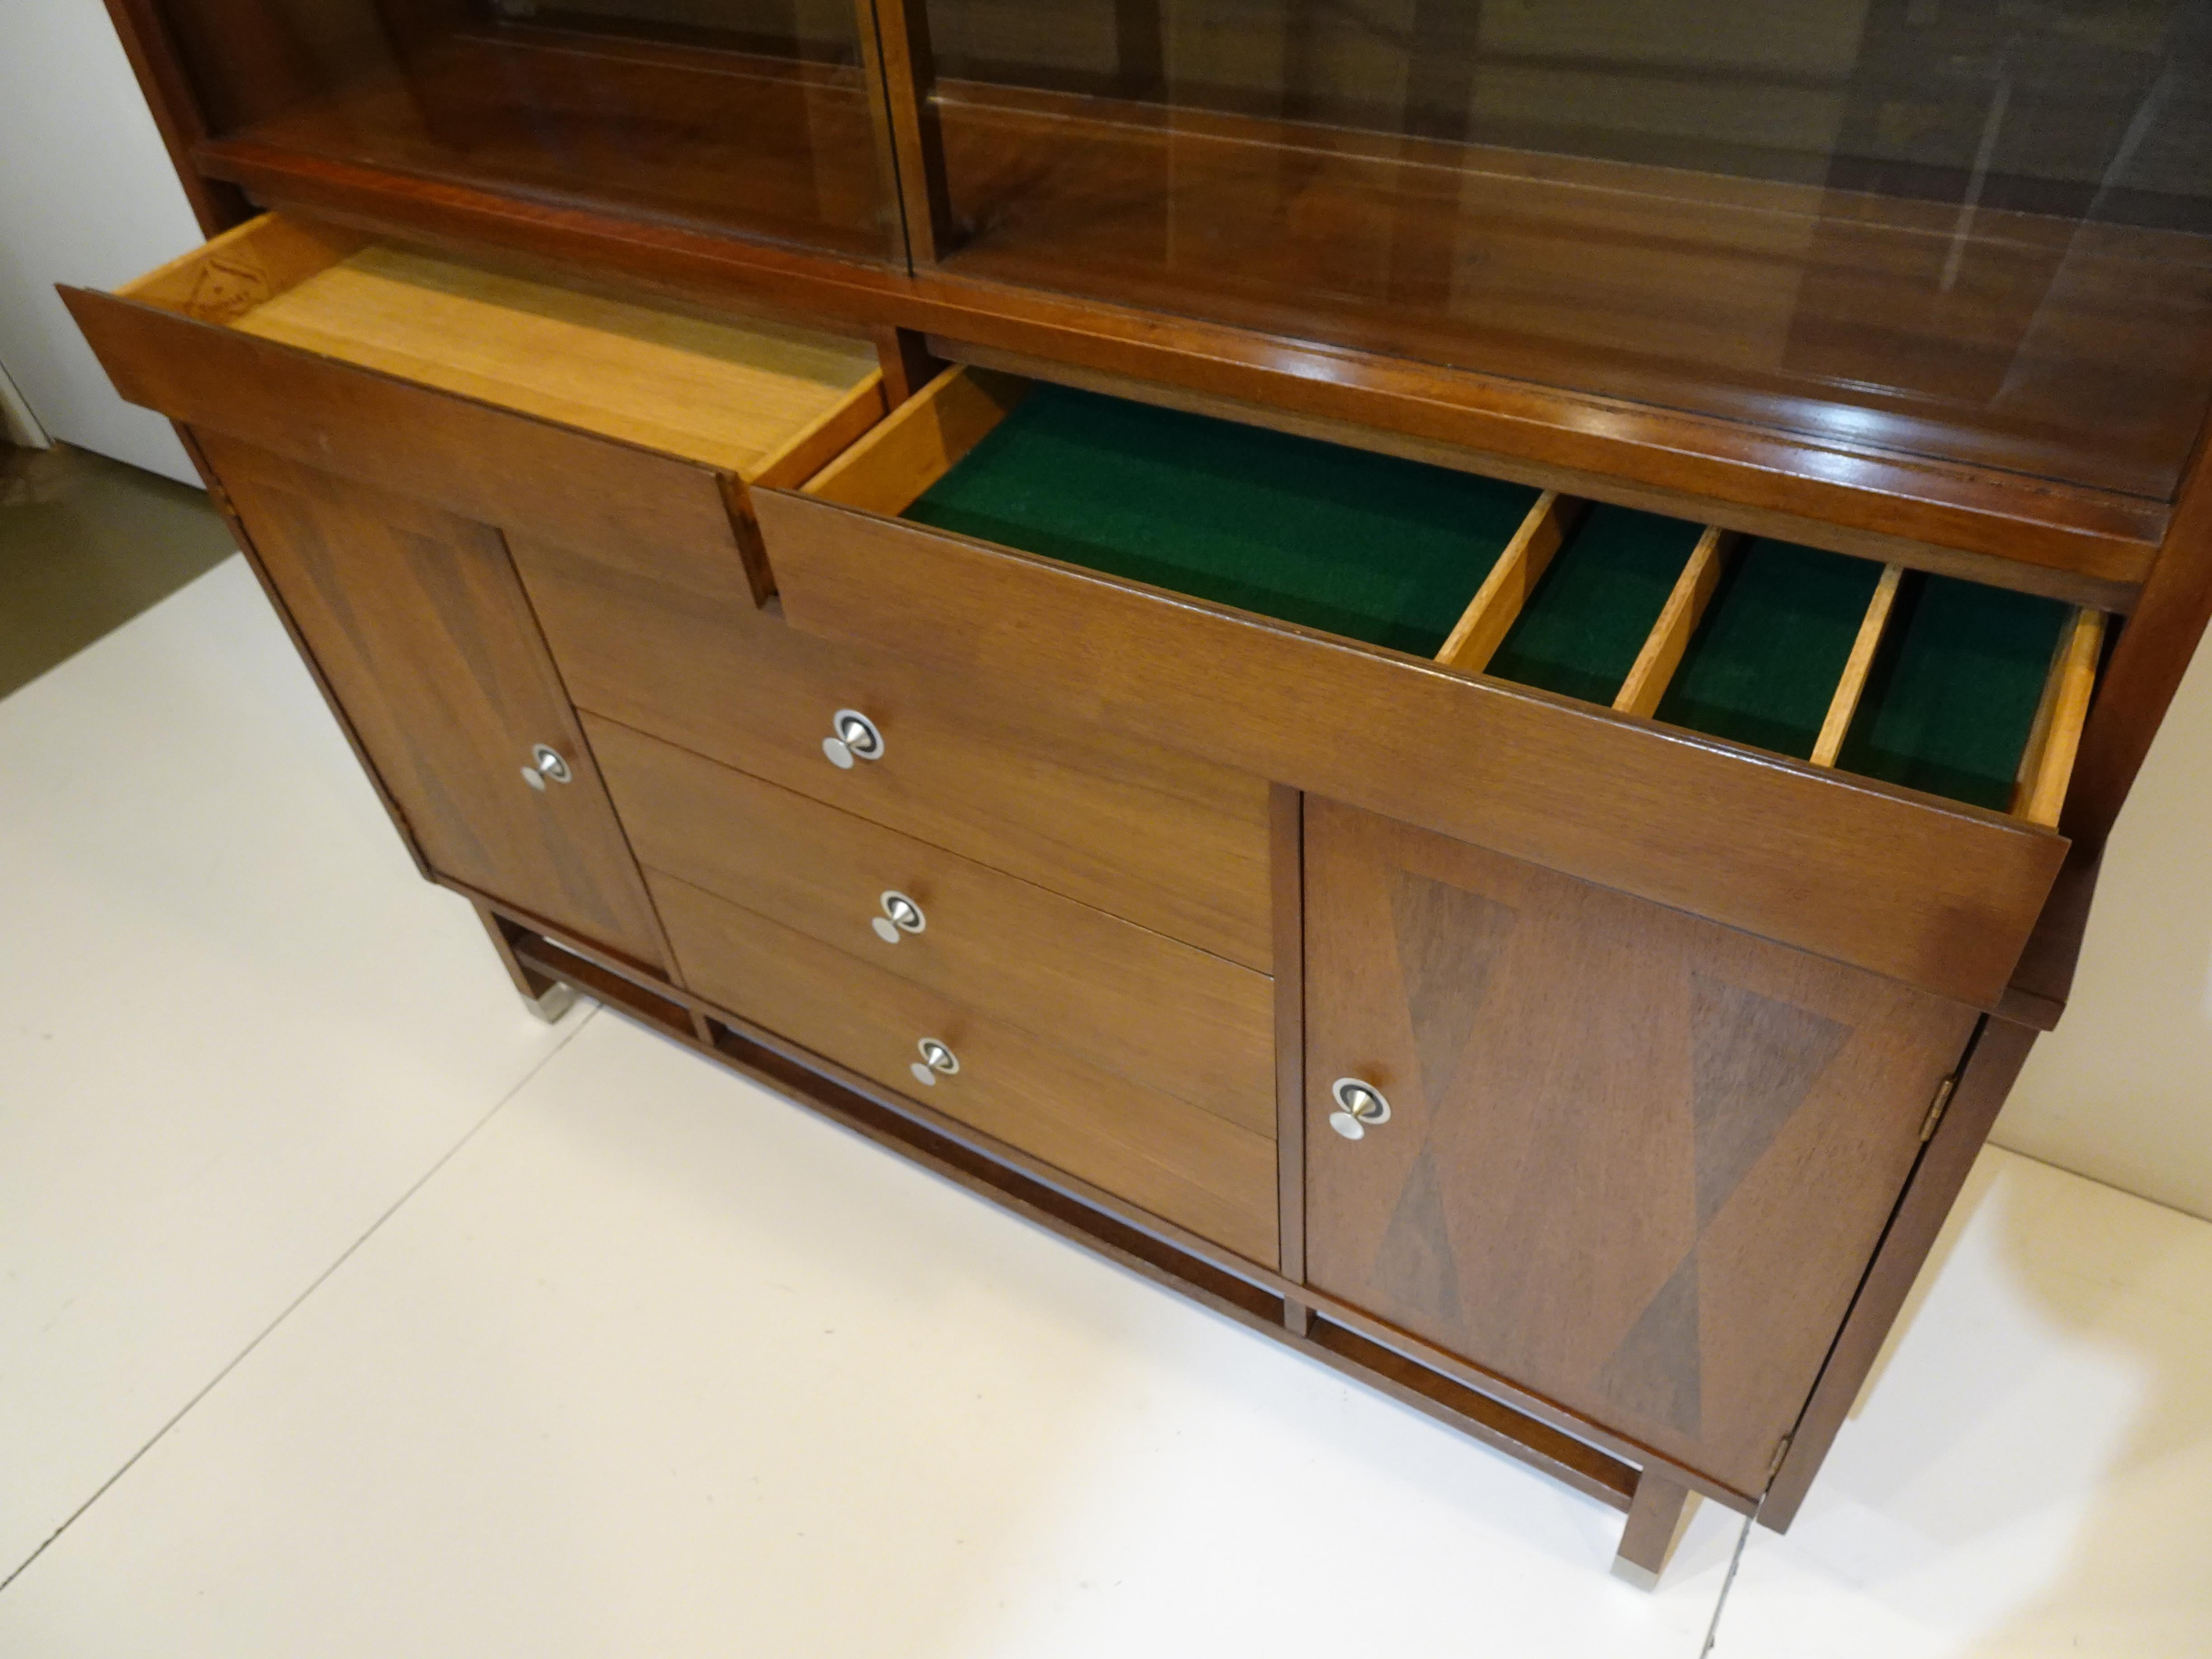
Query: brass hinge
[(1936, 1107), (1774, 1468)]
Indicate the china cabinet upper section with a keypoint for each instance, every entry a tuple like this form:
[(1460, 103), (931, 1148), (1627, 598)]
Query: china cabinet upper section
[(1933, 268)]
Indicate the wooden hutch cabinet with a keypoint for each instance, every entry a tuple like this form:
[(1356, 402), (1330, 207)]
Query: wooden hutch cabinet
[(1451, 675)]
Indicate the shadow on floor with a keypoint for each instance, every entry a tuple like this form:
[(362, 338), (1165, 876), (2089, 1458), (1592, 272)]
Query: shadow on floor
[(85, 543)]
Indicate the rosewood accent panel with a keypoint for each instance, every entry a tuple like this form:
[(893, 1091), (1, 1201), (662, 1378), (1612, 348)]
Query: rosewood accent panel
[(1636, 1162)]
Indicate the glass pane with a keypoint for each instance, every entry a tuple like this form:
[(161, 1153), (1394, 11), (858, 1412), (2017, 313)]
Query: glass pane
[(745, 115), (1972, 231)]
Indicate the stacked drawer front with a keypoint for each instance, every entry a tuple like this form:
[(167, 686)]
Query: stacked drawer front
[(1132, 1060), (1096, 946)]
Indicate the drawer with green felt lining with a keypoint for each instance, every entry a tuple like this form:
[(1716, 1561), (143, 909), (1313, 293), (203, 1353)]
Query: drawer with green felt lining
[(1639, 699)]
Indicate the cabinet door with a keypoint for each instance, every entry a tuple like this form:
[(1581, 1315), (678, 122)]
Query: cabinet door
[(1636, 1162), (419, 625)]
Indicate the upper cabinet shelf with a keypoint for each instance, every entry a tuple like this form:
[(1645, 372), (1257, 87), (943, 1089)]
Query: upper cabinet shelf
[(1933, 231), (745, 116), (1934, 275)]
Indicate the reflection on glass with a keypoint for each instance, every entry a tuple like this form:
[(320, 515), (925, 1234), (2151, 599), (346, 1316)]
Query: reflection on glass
[(1973, 230), (745, 115)]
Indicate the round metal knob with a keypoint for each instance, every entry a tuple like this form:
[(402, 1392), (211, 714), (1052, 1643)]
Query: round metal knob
[(546, 763), (852, 736), (935, 1058), (901, 915), (1359, 1107)]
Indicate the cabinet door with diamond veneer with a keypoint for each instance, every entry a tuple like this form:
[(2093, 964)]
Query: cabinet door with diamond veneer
[(1634, 1162)]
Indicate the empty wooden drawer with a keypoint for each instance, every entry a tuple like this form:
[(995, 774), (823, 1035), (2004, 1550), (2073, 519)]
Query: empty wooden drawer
[(673, 644), (1151, 1148), (1131, 1000), (1329, 623), (547, 410)]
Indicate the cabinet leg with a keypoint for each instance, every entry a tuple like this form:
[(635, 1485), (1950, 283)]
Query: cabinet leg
[(1656, 1516), (548, 999)]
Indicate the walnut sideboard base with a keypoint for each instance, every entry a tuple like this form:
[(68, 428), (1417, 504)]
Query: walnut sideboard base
[(1653, 1493), (1691, 1043)]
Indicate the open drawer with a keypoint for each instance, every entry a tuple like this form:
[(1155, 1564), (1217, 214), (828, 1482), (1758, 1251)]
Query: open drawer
[(555, 411), (1354, 625)]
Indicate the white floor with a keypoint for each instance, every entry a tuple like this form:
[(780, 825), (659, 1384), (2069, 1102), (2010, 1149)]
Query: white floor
[(344, 1310)]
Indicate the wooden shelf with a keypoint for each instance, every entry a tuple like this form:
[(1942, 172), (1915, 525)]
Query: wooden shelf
[(2076, 353)]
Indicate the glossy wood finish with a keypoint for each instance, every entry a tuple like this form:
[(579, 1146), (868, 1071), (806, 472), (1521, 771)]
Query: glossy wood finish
[(1825, 311), (1939, 896), (1746, 478), (1121, 997), (1155, 1149), (667, 641), (1635, 1163), (2099, 592), (767, 146), (418, 621)]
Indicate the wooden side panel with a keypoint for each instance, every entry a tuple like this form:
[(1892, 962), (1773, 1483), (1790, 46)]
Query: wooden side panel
[(1126, 999), (1157, 1151), (1635, 1163), (422, 629), (1940, 896), (480, 462), (668, 641)]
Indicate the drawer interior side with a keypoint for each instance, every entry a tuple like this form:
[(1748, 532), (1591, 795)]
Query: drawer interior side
[(768, 401)]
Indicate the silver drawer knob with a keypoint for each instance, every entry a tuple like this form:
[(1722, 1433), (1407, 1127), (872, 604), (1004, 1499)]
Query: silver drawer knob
[(935, 1058), (545, 763), (1359, 1107), (901, 915), (853, 737)]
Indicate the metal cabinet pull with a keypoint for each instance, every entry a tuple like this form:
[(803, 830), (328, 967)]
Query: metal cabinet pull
[(901, 915), (1359, 1107), (852, 736), (936, 1058), (545, 763)]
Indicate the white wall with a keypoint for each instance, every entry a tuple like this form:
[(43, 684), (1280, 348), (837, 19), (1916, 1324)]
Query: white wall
[(2122, 1091), (87, 195)]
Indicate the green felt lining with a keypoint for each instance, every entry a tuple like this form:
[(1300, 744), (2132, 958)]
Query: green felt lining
[(1953, 691), (1580, 630), (1763, 666), (1368, 546)]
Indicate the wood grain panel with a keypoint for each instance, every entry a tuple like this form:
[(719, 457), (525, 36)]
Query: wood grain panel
[(1939, 896), (666, 640), (419, 624), (1636, 1162), (1131, 1000), (480, 462), (1700, 467), (1159, 1151)]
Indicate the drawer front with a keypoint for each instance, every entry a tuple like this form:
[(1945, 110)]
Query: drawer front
[(485, 464), (1123, 997), (1941, 897), (1633, 1163), (1161, 1153), (671, 644), (424, 635)]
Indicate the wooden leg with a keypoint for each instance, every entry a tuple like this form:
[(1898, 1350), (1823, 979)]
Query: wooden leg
[(1656, 1516), (547, 998), (1298, 1316)]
